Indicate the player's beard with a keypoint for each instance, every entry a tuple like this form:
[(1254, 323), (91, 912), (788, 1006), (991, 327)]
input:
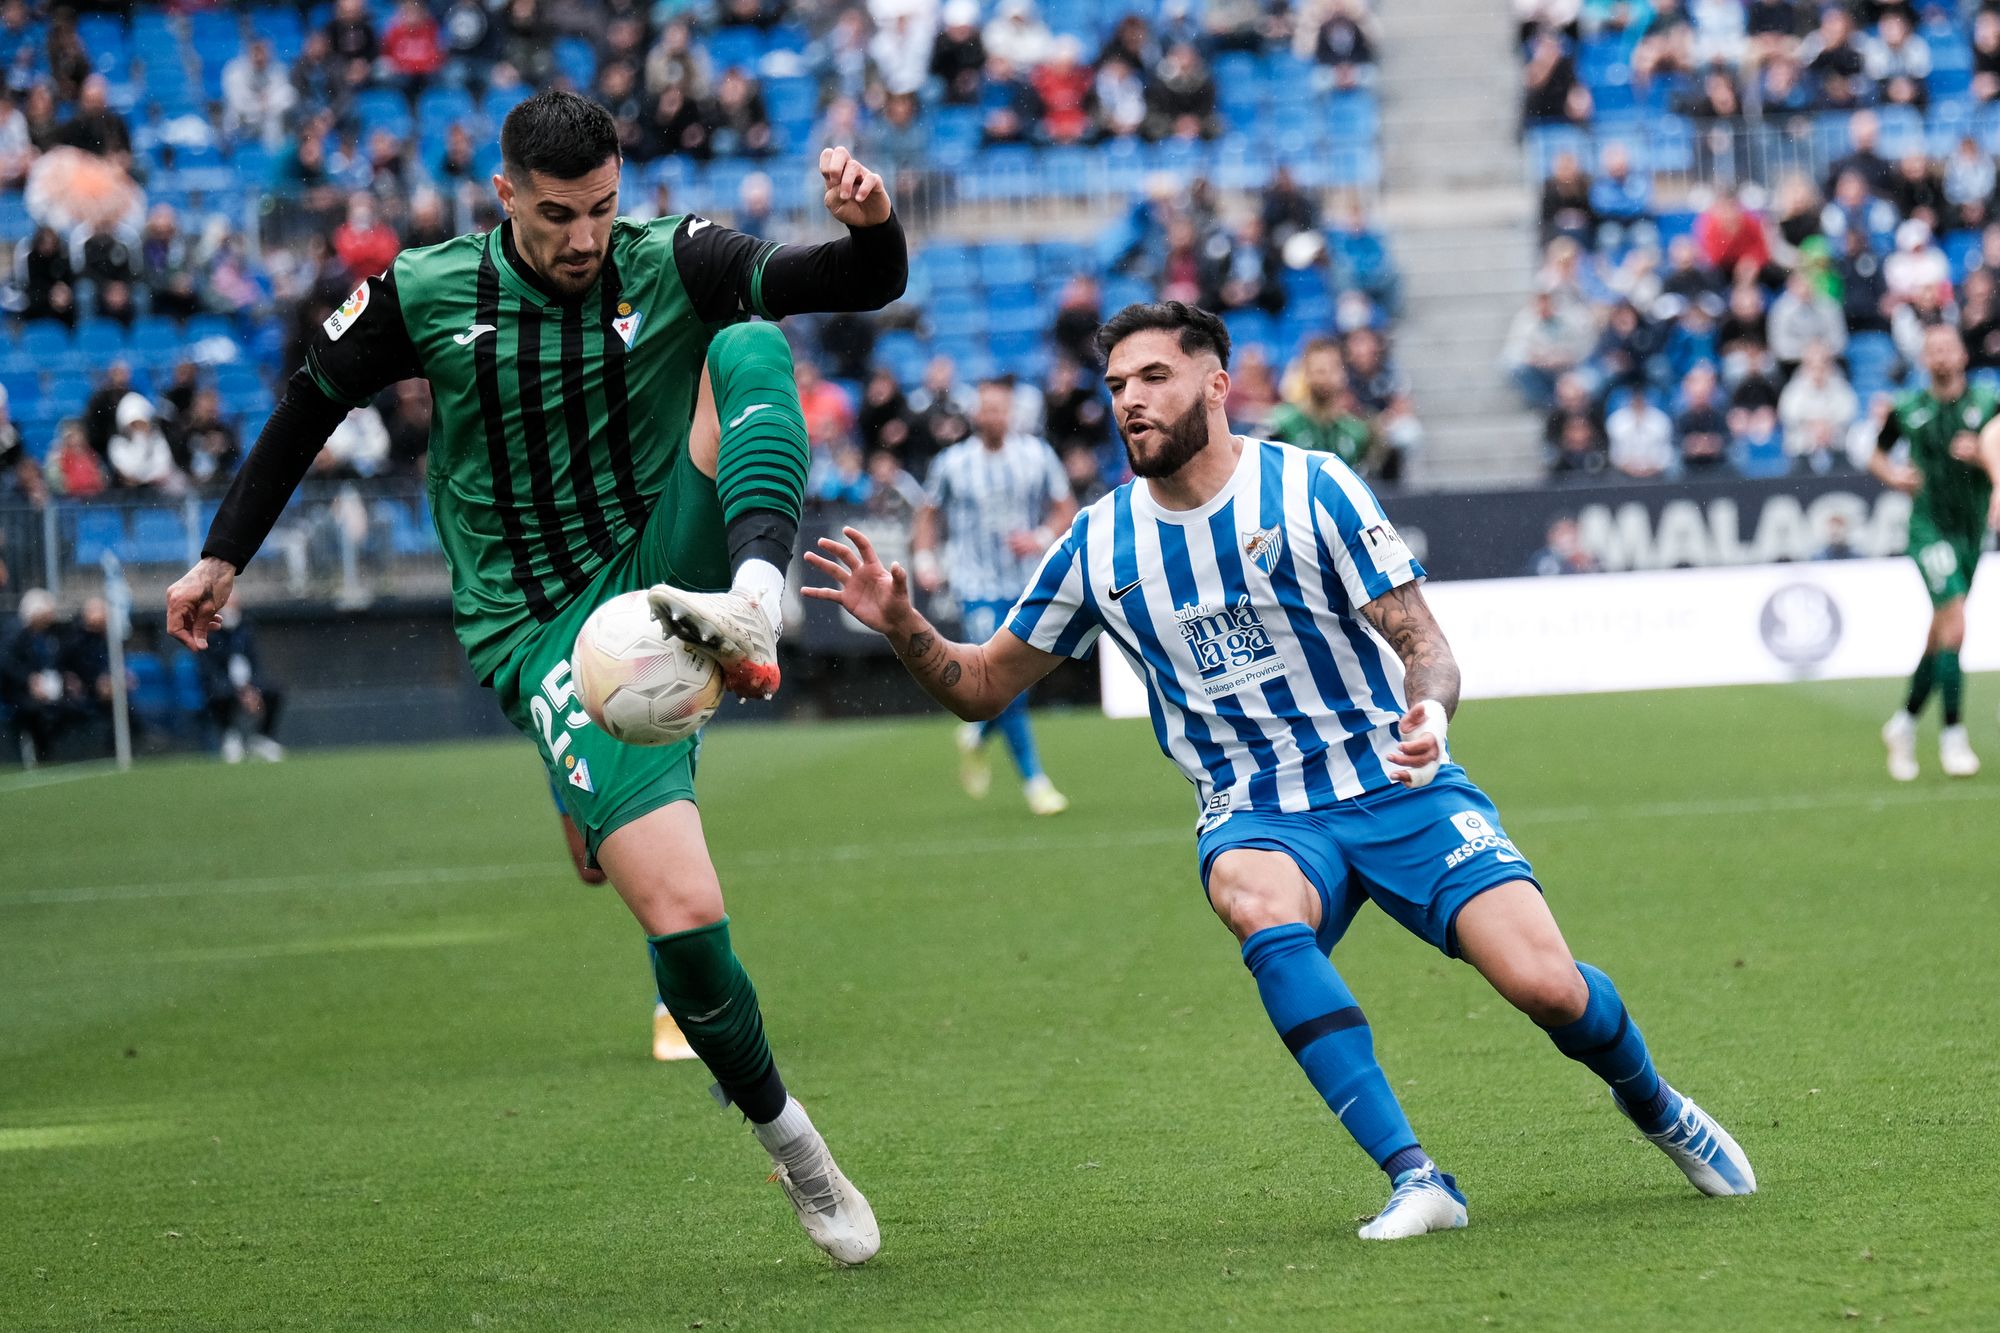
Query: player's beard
[(1179, 440)]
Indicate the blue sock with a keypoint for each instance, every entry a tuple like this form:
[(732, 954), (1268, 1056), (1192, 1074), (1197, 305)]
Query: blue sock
[(1013, 725), (1607, 1042), (1320, 1023)]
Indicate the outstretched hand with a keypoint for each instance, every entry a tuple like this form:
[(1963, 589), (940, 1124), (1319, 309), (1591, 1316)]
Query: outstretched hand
[(875, 595), (854, 195), (195, 601)]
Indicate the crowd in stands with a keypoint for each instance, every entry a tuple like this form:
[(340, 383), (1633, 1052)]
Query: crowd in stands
[(146, 342), (1737, 326)]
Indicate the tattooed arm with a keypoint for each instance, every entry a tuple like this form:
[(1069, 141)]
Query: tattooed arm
[(1430, 679), (974, 681)]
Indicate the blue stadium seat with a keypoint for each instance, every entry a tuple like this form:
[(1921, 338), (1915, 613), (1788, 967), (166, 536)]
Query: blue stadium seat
[(282, 29), (190, 696), (499, 101), (151, 698), (1250, 326), (1061, 260), (576, 60), (46, 342), (98, 531), (1006, 263), (440, 107), (159, 537), (957, 315), (735, 48)]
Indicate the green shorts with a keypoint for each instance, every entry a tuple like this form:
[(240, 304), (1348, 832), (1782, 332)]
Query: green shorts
[(1947, 560)]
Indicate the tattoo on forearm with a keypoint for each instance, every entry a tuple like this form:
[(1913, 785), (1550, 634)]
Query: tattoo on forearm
[(951, 674), (1429, 670), (920, 647), (932, 661)]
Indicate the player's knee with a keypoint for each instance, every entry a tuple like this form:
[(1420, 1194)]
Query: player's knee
[(1248, 902), (742, 344), (1550, 991)]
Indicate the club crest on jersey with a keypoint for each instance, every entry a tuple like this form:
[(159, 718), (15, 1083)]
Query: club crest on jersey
[(580, 776), (1479, 835), (341, 320), (1231, 647), (1264, 546), (627, 326)]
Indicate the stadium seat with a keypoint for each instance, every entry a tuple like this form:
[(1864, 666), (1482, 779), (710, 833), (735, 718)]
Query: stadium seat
[(190, 696), (160, 537), (735, 48), (1006, 263), (576, 60), (98, 531)]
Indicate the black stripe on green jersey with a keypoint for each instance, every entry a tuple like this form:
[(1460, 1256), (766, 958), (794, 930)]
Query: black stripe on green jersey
[(486, 372), (576, 423), (535, 446), (617, 415)]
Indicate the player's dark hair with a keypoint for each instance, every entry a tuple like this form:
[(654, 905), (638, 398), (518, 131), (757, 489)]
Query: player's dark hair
[(1199, 330), (558, 134)]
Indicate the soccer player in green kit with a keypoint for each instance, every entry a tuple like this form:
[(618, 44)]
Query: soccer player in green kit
[(1953, 431), (606, 420)]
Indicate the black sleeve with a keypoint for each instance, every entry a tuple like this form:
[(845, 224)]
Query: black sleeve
[(727, 273), (363, 347), (1890, 434), (291, 439)]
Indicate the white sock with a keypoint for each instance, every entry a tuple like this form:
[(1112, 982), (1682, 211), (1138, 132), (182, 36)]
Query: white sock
[(764, 583), (791, 1125)]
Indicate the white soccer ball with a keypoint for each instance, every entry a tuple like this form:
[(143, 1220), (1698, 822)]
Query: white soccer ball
[(638, 682)]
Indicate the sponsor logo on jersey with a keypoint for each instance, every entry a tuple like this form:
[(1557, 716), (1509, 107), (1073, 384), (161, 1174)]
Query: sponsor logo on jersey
[(696, 224), (1214, 814), (746, 414), (1118, 594), (580, 776), (1385, 548), (1479, 836), (624, 307), (1230, 645), (1264, 546), (627, 326), (341, 320), (465, 339)]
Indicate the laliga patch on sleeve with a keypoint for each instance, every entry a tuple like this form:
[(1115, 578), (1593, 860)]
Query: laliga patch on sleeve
[(341, 320), (1385, 548)]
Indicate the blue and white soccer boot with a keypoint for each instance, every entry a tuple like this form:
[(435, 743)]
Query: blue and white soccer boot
[(1702, 1149), (1425, 1199)]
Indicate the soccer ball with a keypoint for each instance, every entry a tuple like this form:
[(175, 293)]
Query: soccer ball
[(638, 682)]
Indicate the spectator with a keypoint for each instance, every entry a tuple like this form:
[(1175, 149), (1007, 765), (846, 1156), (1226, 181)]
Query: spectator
[(1321, 414), (1801, 317), (1730, 236), (1864, 131), (365, 244), (1979, 320), (1120, 97), (1079, 310), (257, 95), (838, 476), (350, 37), (166, 263), (1641, 437), (1253, 391), (1898, 60), (901, 49), (737, 122), (86, 668), (68, 62), (1702, 426), (38, 111), (1547, 339), (242, 702), (1241, 271), (1920, 190), (1063, 86), (681, 125), (17, 146), (1564, 552), (1986, 55), (409, 426), (208, 440), (358, 446), (942, 403), (887, 422), (466, 31), (100, 410), (1086, 476), (896, 142), (892, 491), (141, 457), (1178, 274), (828, 412), (1834, 59), (958, 56), (1011, 110), (1132, 42), (96, 127), (74, 468), (1180, 99), (839, 60), (1839, 544), (1572, 436), (31, 681), (1969, 178), (1287, 210), (527, 42), (427, 223), (1864, 299), (1917, 271), (1817, 409), (1551, 92), (20, 479), (1384, 396), (1017, 35), (1074, 411), (1756, 448), (48, 282), (1621, 202), (413, 46), (1566, 206), (619, 93), (1688, 275), (1345, 47)]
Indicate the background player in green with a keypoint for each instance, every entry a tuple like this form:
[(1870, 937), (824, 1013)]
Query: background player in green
[(605, 421), (1954, 458), (1326, 420)]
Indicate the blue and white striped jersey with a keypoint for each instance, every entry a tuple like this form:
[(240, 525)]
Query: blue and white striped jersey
[(1267, 685), (985, 494)]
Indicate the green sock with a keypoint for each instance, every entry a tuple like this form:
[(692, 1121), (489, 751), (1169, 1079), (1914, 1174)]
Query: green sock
[(764, 454), (1951, 684), (1920, 683), (709, 994)]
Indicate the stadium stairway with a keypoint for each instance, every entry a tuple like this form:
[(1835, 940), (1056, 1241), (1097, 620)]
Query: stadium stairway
[(1462, 218)]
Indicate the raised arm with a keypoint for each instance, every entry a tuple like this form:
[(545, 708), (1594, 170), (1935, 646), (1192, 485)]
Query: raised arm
[(975, 681)]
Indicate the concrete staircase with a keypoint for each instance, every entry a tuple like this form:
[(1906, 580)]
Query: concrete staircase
[(1461, 224)]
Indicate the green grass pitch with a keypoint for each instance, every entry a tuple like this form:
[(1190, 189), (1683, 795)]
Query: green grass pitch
[(340, 1044)]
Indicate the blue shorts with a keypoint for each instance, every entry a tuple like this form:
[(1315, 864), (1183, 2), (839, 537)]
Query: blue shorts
[(1421, 853)]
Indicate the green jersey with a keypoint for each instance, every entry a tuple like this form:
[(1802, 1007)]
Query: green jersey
[(1955, 494), (1345, 437)]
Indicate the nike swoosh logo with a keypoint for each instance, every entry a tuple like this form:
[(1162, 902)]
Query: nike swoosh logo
[(696, 224), (744, 415), (464, 339), (703, 1018), (1118, 594)]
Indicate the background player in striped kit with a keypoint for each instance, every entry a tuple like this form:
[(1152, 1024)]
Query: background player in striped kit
[(1002, 496), (604, 421), (1298, 680)]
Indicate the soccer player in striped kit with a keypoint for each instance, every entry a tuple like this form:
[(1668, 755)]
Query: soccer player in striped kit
[(606, 420), (1298, 680), (1002, 496)]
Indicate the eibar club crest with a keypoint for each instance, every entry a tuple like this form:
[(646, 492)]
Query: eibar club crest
[(1264, 546), (580, 776), (626, 325)]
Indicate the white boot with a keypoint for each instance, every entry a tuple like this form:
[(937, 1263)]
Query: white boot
[(1899, 733)]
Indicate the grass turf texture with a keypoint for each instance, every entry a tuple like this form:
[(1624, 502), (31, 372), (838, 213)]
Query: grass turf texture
[(341, 1045)]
